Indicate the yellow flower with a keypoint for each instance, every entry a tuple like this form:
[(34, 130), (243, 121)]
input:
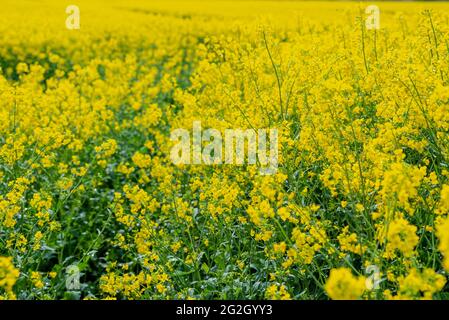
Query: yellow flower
[(106, 149), (36, 278), (280, 247), (277, 292), (8, 275), (349, 242), (443, 236), (141, 160), (22, 68), (284, 213), (37, 240), (443, 206), (420, 285)]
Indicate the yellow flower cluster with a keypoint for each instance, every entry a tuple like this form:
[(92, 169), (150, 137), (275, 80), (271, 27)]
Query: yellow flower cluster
[(401, 236), (8, 277), (86, 176), (443, 235), (275, 292)]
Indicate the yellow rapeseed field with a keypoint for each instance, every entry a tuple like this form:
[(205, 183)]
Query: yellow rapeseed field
[(93, 207)]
